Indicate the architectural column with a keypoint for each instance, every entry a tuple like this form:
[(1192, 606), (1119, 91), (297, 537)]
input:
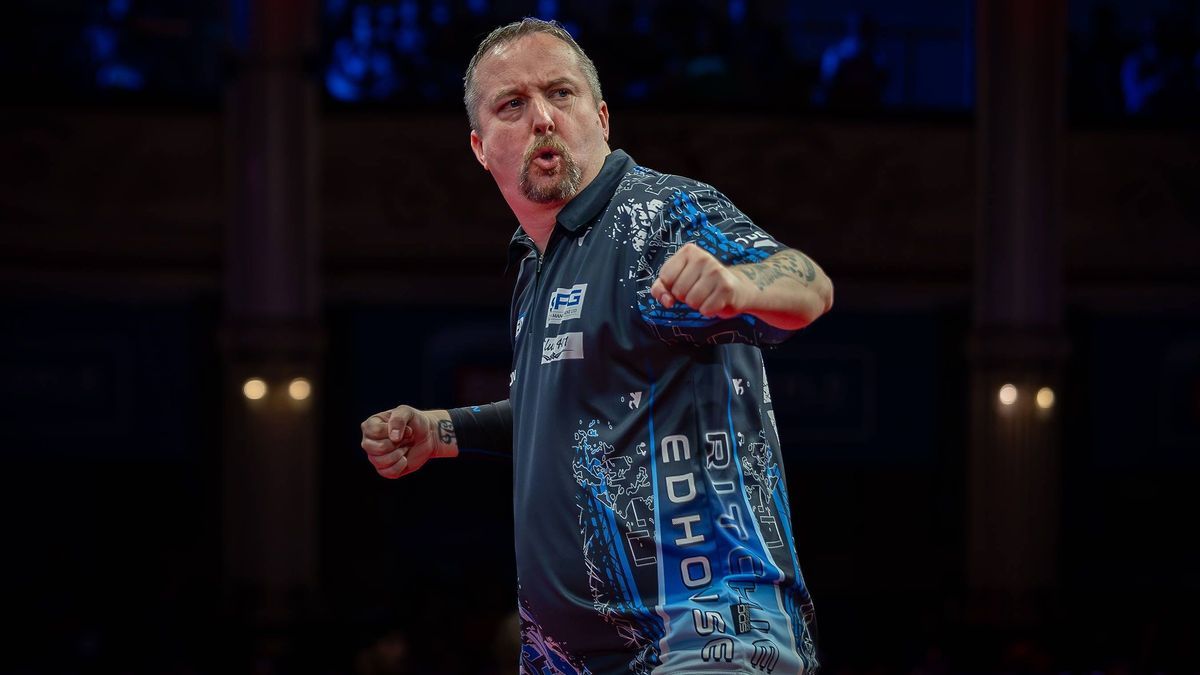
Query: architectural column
[(1017, 339), (272, 338)]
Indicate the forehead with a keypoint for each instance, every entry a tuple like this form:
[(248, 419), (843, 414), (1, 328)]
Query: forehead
[(530, 59)]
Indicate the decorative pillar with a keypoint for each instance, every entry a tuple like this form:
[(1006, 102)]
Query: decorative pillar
[(271, 329), (1017, 339)]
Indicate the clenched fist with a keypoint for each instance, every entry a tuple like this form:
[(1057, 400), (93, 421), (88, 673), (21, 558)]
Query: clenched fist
[(693, 276), (401, 440)]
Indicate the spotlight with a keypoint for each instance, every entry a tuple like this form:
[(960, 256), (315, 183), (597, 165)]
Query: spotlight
[(300, 389), (1008, 394), (1045, 398), (254, 388)]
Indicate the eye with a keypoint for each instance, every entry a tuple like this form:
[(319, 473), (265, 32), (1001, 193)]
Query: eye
[(561, 93), (512, 104)]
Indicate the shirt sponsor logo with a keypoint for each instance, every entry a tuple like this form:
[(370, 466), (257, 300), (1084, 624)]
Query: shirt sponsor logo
[(566, 304), (759, 239), (635, 400), (562, 347)]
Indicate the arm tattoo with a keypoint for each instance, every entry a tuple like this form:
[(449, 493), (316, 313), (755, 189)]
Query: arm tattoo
[(791, 264), (446, 431)]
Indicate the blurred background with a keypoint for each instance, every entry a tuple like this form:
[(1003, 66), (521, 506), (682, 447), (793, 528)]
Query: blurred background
[(231, 231)]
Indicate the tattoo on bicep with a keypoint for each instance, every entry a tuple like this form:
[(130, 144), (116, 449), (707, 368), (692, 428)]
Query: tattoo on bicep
[(786, 264), (446, 431)]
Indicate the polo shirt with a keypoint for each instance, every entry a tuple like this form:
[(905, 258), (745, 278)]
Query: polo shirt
[(653, 531)]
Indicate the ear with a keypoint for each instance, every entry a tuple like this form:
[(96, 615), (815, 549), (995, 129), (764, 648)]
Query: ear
[(477, 148), (603, 113)]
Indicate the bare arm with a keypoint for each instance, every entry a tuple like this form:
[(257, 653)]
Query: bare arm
[(792, 291), (787, 290)]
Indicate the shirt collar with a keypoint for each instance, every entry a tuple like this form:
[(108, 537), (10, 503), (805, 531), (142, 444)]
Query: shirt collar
[(584, 206)]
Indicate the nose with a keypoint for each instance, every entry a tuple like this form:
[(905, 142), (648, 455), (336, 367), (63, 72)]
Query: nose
[(543, 116)]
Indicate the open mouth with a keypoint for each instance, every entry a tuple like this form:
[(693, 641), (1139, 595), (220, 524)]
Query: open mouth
[(546, 158)]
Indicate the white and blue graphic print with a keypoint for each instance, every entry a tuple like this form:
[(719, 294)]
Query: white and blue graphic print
[(541, 654), (720, 591), (634, 220), (615, 520), (688, 217)]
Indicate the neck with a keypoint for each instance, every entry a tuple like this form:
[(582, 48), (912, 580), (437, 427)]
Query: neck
[(539, 224), (538, 219)]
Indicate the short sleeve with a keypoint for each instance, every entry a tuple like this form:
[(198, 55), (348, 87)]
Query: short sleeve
[(705, 217)]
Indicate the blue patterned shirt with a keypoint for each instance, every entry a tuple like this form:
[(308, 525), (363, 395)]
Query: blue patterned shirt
[(653, 532)]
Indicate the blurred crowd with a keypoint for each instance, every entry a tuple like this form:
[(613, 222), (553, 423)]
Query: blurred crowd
[(675, 53), (1125, 60), (649, 51), (1153, 72)]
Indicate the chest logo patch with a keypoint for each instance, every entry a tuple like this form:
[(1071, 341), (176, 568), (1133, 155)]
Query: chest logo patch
[(562, 347), (737, 386), (566, 304)]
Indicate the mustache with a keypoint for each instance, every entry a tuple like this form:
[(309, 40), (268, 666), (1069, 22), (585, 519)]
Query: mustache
[(546, 143)]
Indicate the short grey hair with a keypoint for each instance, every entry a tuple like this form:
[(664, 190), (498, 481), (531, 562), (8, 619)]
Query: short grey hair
[(511, 33)]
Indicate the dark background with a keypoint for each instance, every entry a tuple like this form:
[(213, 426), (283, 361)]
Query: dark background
[(124, 267)]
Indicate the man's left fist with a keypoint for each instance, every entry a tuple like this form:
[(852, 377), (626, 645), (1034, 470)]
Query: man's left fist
[(696, 278)]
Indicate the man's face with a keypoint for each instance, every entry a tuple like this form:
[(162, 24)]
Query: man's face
[(541, 134)]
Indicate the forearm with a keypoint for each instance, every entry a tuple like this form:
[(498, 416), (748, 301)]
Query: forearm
[(788, 290), (486, 428)]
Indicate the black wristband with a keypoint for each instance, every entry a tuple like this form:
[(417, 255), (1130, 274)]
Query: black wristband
[(487, 428)]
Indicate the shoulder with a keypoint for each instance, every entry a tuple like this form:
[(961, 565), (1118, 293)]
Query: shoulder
[(652, 206), (640, 180), (656, 189)]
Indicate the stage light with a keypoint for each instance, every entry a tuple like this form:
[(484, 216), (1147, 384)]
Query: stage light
[(1045, 398), (300, 389), (1008, 394), (254, 388)]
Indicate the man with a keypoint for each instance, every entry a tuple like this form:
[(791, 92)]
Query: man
[(653, 528)]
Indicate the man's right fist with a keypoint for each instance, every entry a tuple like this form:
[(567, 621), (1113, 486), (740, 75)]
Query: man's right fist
[(399, 441)]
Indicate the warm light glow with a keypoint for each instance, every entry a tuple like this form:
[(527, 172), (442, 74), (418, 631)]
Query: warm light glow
[(254, 389), (1045, 398), (300, 389), (1008, 394)]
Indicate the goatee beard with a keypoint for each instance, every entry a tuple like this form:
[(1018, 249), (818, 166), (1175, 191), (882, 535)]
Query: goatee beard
[(566, 177)]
